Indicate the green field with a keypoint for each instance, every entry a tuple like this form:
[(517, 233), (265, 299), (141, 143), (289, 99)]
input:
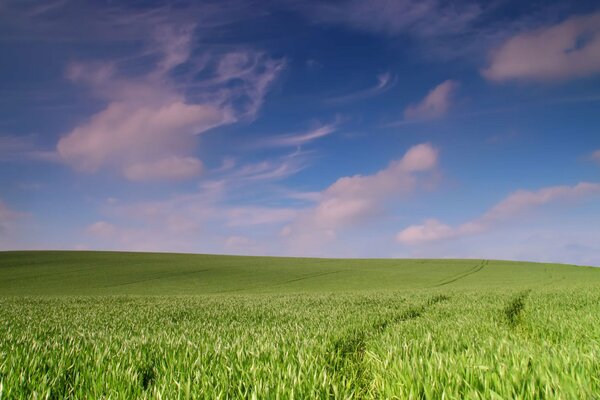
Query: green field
[(173, 326)]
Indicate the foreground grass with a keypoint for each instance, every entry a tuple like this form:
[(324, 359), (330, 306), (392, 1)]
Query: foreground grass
[(470, 329)]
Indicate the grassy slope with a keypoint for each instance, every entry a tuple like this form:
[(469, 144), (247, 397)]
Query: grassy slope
[(416, 329), (109, 273)]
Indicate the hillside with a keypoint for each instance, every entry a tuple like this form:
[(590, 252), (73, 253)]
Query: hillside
[(114, 273)]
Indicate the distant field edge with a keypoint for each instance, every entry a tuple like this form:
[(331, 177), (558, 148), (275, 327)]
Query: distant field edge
[(172, 253)]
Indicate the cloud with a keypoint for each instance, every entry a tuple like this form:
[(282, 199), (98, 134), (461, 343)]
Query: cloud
[(235, 242), (172, 167), (102, 229), (385, 81), (123, 22), (430, 230), (21, 148), (242, 203), (12, 147), (269, 170), (195, 222), (436, 104), (200, 220), (356, 199), (149, 129), (249, 76), (6, 215), (513, 205), (298, 139), (252, 215), (595, 156), (570, 49), (426, 18), (126, 135), (11, 227)]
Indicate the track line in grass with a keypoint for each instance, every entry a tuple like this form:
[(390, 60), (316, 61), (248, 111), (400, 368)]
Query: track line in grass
[(455, 278), (308, 276), (346, 357), (48, 275), (154, 278), (514, 309), (301, 278)]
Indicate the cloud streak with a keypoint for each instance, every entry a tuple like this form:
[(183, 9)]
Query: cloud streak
[(428, 18), (385, 82), (299, 139)]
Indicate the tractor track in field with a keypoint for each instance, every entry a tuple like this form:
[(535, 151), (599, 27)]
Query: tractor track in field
[(300, 278), (308, 276), (463, 275), (155, 278), (347, 353), (50, 274)]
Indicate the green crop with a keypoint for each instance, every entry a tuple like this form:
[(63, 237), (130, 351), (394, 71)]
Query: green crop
[(121, 325)]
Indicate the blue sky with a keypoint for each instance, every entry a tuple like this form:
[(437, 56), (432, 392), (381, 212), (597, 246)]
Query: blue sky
[(304, 128)]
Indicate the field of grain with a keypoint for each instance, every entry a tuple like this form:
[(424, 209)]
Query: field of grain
[(126, 325)]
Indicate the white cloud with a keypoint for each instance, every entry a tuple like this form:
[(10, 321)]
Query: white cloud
[(356, 199), (431, 229), (570, 49), (200, 221), (513, 205), (436, 104), (125, 135), (203, 220), (149, 128)]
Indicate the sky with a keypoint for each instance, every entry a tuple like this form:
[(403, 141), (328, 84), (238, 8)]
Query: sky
[(350, 128)]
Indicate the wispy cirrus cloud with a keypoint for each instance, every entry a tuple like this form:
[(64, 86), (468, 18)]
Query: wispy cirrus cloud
[(567, 50), (301, 138), (427, 18), (385, 81), (71, 20), (24, 148), (512, 206)]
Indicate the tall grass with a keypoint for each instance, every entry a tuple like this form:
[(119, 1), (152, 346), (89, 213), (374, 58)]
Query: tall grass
[(386, 345), (268, 328)]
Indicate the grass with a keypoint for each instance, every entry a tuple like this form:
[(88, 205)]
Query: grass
[(173, 326)]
